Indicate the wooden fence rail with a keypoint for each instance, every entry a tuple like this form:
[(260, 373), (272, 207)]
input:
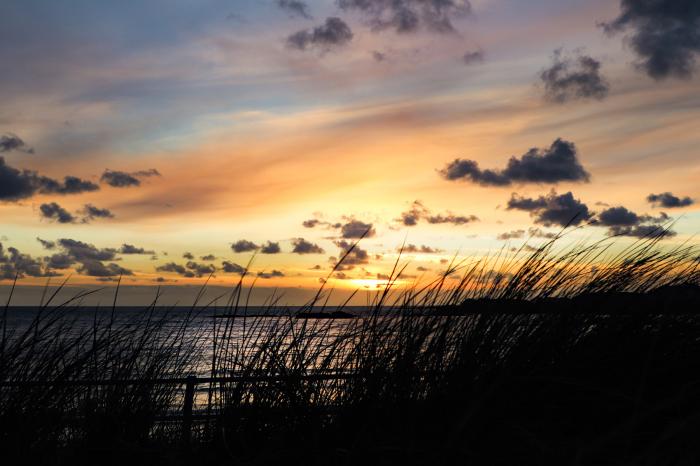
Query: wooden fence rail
[(190, 383)]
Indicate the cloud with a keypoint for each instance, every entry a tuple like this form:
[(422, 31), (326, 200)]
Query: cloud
[(301, 246), (532, 232), (355, 229), (131, 249), (46, 244), (11, 142), (190, 270), (17, 264), (119, 179), (312, 223), (188, 255), (407, 16), (354, 255), (244, 246), (378, 56), (208, 257), (175, 268), (91, 212), (618, 216), (232, 267), (572, 78), (472, 57), (413, 249), (55, 212), (18, 184), (272, 274), (94, 268), (669, 201), (557, 163), (552, 209), (451, 218), (418, 212), (538, 233), (70, 185), (333, 33), (623, 222), (295, 8), (515, 234), (200, 270), (642, 231), (59, 261), (412, 216), (665, 35), (81, 251), (270, 248)]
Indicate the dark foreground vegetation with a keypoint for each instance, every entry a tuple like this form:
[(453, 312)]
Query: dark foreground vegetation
[(552, 360)]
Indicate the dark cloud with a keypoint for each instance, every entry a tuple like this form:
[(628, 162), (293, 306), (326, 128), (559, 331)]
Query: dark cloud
[(412, 216), (378, 56), (270, 248), (665, 35), (532, 232), (94, 268), (272, 274), (413, 249), (333, 33), (571, 78), (59, 261), (200, 270), (188, 255), (10, 142), (669, 201), (244, 246), (82, 252), (295, 8), (311, 223), (557, 163), (208, 257), (472, 57), (46, 244), (91, 212), (89, 259), (175, 268), (406, 16), (301, 246), (538, 233), (418, 212), (131, 249), (354, 255), (119, 179), (515, 234), (232, 267), (13, 264), (18, 184), (355, 229), (618, 216), (70, 185), (420, 268), (642, 231), (623, 222), (56, 213), (552, 209), (451, 218)]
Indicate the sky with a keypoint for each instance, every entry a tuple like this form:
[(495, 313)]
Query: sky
[(175, 142)]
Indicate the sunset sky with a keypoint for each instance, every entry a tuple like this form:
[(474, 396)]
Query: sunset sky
[(190, 129)]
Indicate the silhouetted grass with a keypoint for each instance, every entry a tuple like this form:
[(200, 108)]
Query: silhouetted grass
[(573, 355)]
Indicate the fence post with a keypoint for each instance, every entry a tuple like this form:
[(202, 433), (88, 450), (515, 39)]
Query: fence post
[(187, 409)]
